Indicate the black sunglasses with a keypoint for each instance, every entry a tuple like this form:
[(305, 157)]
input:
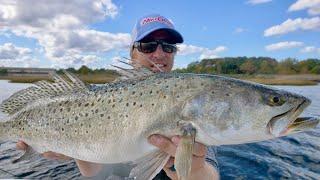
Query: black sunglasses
[(150, 47)]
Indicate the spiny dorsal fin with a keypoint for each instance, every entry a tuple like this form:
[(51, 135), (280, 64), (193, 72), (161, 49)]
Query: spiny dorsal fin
[(42, 89), (137, 71)]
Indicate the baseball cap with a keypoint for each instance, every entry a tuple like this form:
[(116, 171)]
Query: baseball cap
[(150, 23)]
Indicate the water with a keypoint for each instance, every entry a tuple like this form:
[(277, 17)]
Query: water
[(292, 157)]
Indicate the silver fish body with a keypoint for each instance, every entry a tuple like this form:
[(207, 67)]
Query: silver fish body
[(111, 123)]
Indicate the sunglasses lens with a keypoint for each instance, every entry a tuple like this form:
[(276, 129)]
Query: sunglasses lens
[(168, 48), (148, 47)]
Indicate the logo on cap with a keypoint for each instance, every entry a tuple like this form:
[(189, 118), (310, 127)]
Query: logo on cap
[(159, 19)]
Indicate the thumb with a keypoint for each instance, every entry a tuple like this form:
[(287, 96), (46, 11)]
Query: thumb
[(171, 174)]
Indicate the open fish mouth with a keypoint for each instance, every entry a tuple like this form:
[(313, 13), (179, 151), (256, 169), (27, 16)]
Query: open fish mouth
[(281, 124)]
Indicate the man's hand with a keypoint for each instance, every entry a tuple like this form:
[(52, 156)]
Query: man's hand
[(49, 155), (200, 168)]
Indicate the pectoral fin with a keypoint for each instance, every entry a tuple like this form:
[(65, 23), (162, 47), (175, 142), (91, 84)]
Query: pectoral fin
[(149, 166), (184, 153)]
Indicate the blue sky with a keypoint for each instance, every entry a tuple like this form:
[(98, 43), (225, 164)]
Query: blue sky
[(57, 33)]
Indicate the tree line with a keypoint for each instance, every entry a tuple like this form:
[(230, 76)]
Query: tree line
[(253, 65)]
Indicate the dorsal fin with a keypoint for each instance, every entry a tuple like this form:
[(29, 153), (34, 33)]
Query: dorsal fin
[(42, 89), (136, 71)]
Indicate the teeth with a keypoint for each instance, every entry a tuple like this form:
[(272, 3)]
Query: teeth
[(160, 65)]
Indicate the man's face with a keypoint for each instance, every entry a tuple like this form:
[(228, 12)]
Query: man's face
[(162, 59)]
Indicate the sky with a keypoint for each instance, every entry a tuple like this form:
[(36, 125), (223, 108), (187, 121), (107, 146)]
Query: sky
[(96, 33)]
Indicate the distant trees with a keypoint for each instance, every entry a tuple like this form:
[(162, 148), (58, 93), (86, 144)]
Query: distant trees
[(253, 65), (3, 72)]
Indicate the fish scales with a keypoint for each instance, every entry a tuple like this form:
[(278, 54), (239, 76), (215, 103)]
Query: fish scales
[(111, 123)]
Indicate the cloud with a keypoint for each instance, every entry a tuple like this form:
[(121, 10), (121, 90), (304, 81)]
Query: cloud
[(313, 6), (254, 2), (294, 25), (11, 55), (310, 49), (204, 52), (61, 28), (239, 30), (283, 45)]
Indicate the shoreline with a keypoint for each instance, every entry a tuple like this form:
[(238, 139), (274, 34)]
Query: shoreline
[(267, 79)]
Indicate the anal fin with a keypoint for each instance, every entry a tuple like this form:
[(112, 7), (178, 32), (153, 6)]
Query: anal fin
[(149, 166), (28, 154)]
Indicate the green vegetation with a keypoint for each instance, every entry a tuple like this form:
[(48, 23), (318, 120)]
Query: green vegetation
[(253, 65), (3, 72)]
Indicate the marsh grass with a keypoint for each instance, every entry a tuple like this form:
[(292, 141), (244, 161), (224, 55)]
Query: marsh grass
[(296, 80)]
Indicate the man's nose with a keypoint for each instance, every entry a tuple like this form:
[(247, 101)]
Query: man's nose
[(158, 52)]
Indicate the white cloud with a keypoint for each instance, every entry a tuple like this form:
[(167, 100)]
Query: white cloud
[(254, 2), (310, 49), (294, 25), (61, 28), (313, 6), (239, 30), (205, 52), (11, 55), (283, 45)]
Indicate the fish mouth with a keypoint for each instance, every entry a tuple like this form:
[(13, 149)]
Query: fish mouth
[(280, 124)]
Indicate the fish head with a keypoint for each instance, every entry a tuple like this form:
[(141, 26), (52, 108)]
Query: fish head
[(230, 111)]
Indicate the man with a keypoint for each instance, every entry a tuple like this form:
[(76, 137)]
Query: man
[(154, 47)]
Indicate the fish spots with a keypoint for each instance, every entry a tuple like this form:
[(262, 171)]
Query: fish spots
[(86, 114), (151, 92), (86, 105), (101, 115), (152, 104), (113, 106), (134, 103), (68, 109), (133, 92), (141, 94), (109, 117), (79, 105), (127, 104), (92, 104), (140, 105), (76, 118), (61, 109)]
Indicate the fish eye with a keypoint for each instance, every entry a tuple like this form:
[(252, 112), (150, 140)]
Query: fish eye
[(276, 101)]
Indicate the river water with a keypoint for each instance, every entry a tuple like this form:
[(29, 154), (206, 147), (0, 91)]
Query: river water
[(293, 157)]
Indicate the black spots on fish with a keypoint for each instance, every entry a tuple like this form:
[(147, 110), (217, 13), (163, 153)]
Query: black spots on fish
[(141, 94), (133, 92), (54, 110), (96, 111), (86, 114), (61, 109), (212, 92), (92, 104), (202, 84), (127, 104), (227, 94), (109, 117), (127, 115), (133, 84), (99, 99), (79, 105), (167, 86), (101, 115), (152, 104), (87, 131), (134, 103), (62, 129), (68, 121), (66, 102), (150, 92), (157, 92), (140, 105), (86, 105), (164, 97), (109, 101), (68, 109), (76, 118), (177, 96), (113, 105)]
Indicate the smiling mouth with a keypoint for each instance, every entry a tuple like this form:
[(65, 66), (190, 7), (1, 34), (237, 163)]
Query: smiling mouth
[(158, 65), (292, 114)]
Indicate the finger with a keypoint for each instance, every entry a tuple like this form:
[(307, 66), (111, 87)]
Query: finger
[(171, 174), (163, 144), (170, 162), (50, 155), (199, 149), (21, 145), (198, 162)]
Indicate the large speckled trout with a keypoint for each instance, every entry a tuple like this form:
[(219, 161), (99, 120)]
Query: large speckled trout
[(111, 123)]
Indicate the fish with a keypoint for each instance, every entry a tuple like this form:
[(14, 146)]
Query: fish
[(111, 123)]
